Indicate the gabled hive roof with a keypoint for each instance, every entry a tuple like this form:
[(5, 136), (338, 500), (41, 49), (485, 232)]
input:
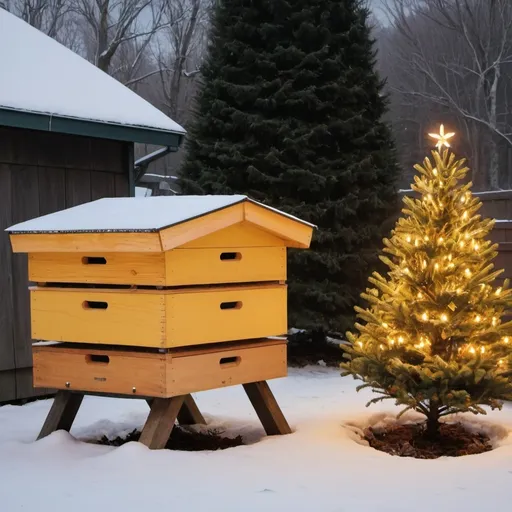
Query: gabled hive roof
[(177, 219)]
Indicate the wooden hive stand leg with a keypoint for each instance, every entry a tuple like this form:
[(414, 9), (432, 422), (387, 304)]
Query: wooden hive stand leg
[(267, 408), (62, 413), (160, 422), (189, 413)]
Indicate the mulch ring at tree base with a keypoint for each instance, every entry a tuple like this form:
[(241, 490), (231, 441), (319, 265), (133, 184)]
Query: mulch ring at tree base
[(410, 441), (185, 440)]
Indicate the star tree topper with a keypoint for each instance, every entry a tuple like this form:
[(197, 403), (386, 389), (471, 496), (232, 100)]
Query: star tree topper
[(441, 137)]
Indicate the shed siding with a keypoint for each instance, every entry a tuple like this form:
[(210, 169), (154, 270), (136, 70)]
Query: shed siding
[(41, 173)]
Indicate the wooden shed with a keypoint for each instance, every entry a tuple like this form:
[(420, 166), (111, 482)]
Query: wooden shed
[(67, 133)]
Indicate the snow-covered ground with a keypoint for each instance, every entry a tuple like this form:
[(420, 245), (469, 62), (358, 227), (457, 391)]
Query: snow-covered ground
[(323, 466)]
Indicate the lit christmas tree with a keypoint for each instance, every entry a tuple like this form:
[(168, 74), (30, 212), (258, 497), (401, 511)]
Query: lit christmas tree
[(433, 337)]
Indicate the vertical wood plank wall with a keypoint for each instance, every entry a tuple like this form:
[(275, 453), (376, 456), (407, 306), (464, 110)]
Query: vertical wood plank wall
[(41, 173)]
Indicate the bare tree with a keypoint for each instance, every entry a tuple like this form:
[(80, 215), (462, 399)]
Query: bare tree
[(113, 23), (45, 15), (457, 54), (181, 48)]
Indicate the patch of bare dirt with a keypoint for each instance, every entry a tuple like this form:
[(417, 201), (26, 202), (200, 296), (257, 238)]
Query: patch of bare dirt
[(185, 440), (454, 440)]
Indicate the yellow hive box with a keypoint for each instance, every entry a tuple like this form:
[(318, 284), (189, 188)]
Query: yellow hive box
[(158, 318), (160, 272)]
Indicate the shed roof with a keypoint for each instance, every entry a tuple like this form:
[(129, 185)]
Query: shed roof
[(46, 86), (134, 214)]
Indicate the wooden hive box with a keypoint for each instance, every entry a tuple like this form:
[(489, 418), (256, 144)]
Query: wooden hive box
[(144, 372), (160, 272)]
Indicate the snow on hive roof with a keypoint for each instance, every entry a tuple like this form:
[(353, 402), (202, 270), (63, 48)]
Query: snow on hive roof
[(132, 214), (40, 75)]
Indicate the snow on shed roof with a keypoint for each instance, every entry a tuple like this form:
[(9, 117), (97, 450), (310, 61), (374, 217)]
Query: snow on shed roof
[(41, 76), (133, 214)]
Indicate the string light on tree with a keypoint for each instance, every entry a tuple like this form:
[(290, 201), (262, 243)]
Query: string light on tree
[(440, 297)]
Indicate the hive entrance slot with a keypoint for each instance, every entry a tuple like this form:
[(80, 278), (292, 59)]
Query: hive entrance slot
[(94, 304), (230, 256), (237, 304), (97, 358), (226, 362), (94, 260)]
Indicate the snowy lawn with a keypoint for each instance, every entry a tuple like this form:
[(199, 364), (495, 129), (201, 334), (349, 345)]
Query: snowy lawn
[(321, 467)]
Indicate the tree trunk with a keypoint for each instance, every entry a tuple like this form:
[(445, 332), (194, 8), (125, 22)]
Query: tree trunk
[(433, 424), (101, 59), (494, 173), (494, 170)]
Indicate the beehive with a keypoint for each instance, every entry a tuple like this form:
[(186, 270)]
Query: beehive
[(159, 298), (160, 272)]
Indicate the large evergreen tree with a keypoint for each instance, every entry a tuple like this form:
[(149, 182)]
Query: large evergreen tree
[(290, 113)]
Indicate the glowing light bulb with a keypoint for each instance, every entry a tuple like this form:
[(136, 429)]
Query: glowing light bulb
[(424, 317), (400, 339), (360, 343), (472, 350), (436, 266), (422, 344), (463, 199), (506, 339), (408, 238), (385, 325), (440, 240), (461, 244), (424, 263), (434, 171), (494, 321), (465, 215), (391, 342), (478, 319), (444, 317), (498, 291), (426, 238), (467, 272), (459, 291), (500, 362), (381, 346), (466, 236), (476, 246), (406, 270), (449, 257), (416, 242), (420, 295), (482, 350)]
